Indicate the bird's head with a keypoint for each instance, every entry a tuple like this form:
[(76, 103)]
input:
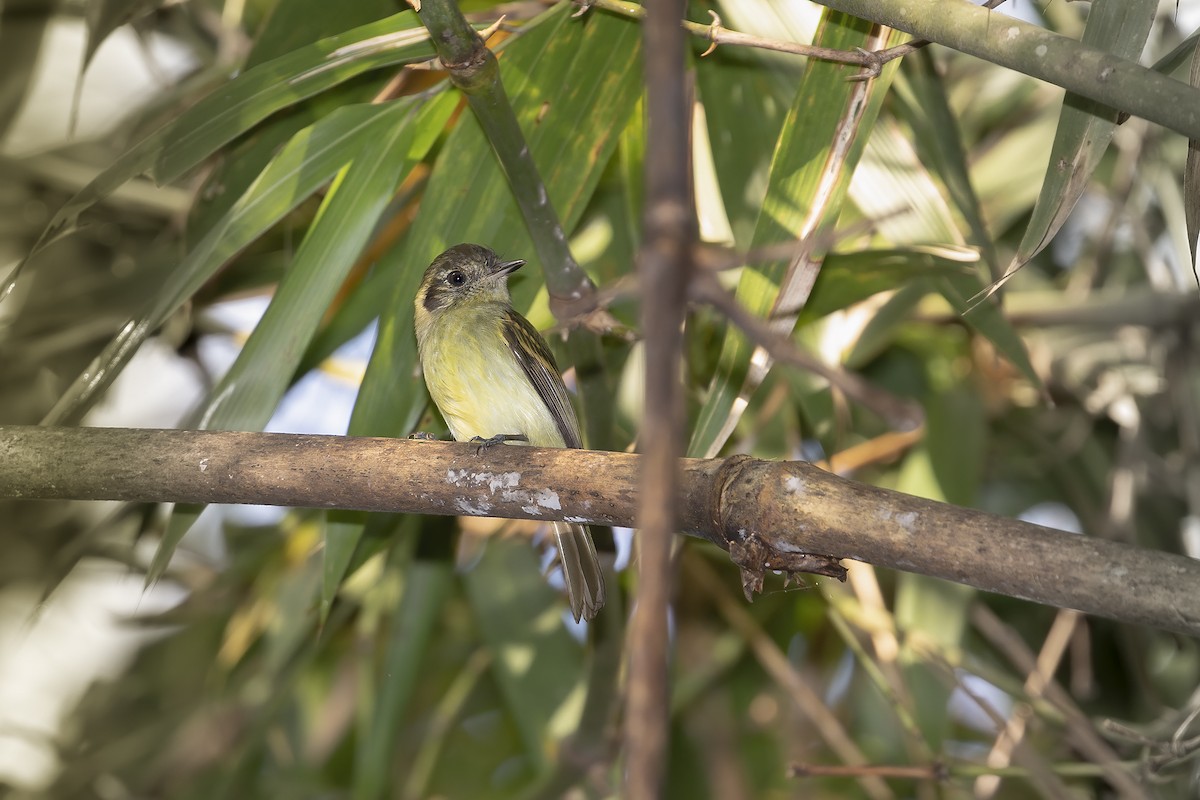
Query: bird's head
[(464, 275)]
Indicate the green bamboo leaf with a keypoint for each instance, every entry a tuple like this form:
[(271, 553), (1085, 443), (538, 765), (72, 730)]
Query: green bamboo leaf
[(348, 535), (245, 101), (742, 84), (988, 319), (938, 141), (396, 139), (1084, 127), (105, 16), (259, 92), (1008, 175), (308, 161), (537, 664), (957, 441), (237, 166), (293, 24), (293, 620), (569, 130), (880, 332), (1175, 63), (889, 170), (247, 395), (805, 191), (365, 303), (929, 609), (631, 161), (897, 192), (848, 278), (427, 586)]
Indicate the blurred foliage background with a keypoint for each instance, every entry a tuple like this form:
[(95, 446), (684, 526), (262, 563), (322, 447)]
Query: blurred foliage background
[(226, 219)]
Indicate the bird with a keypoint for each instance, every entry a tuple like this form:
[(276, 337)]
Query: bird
[(494, 380)]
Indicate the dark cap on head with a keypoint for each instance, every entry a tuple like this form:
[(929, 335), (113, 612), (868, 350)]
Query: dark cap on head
[(462, 271)]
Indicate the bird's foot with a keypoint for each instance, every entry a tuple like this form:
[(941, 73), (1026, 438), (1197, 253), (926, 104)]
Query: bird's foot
[(499, 438), (423, 436)]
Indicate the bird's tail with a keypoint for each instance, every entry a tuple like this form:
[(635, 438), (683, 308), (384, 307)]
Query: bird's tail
[(581, 569)]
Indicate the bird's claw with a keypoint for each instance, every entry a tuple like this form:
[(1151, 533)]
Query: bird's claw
[(499, 438)]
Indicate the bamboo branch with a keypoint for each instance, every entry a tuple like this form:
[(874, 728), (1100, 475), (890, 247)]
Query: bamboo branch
[(791, 507), (716, 34), (474, 70), (1009, 42)]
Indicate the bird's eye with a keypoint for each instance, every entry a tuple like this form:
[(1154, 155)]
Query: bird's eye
[(456, 278)]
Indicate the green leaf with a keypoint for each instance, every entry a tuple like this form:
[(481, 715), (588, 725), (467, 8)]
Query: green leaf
[(292, 24), (365, 303), (237, 166), (805, 192), (396, 139), (739, 84), (880, 332), (241, 104), (938, 141), (259, 92), (957, 441), (898, 193), (247, 395), (988, 319), (537, 664), (848, 278), (929, 610), (307, 162), (105, 16), (427, 585), (1085, 126)]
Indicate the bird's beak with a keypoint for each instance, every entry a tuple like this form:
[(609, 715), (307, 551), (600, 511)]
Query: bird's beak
[(507, 267)]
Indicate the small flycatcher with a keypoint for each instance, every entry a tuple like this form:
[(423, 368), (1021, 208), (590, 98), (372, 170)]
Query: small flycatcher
[(494, 379)]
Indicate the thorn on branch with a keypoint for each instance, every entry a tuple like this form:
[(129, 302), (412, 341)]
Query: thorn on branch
[(713, 29), (487, 32), (584, 7)]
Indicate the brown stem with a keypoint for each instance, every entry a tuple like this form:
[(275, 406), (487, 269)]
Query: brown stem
[(900, 414), (792, 507), (664, 265)]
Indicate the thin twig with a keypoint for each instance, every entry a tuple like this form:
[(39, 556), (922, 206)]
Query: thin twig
[(665, 266), (1080, 730), (1035, 767), (933, 772), (781, 670), (872, 61), (1053, 650), (716, 34), (900, 414)]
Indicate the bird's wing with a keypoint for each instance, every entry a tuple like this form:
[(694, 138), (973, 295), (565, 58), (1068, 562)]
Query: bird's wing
[(534, 356)]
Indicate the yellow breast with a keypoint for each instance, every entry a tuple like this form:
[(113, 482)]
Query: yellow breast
[(476, 381)]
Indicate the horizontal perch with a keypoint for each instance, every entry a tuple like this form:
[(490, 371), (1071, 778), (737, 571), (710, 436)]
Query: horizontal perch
[(778, 509)]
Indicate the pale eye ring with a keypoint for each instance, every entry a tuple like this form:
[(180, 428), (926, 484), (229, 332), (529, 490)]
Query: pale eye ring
[(456, 278)]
